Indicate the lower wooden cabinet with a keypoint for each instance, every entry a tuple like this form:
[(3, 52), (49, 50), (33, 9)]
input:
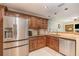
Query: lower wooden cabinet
[(42, 41), (32, 44), (37, 42), (53, 42)]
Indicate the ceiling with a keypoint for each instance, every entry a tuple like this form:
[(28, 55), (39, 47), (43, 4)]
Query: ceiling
[(46, 10)]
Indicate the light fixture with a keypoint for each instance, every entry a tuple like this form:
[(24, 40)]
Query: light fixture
[(49, 16), (45, 6), (66, 9)]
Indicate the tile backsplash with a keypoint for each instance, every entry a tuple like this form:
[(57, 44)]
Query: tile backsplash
[(41, 32)]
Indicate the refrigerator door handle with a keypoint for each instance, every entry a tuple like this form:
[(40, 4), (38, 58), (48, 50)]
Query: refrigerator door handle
[(14, 30)]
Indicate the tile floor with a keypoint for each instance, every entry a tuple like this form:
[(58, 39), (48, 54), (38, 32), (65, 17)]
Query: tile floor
[(46, 51)]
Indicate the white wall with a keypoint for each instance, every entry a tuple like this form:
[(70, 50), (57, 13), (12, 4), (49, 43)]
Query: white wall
[(53, 24)]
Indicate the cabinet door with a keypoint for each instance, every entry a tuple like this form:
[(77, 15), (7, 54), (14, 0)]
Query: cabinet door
[(56, 44), (39, 23), (44, 41), (42, 23), (47, 41), (41, 42), (33, 23), (45, 24), (35, 44), (30, 22), (51, 43), (31, 44)]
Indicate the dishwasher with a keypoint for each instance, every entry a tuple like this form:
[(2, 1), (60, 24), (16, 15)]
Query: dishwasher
[(67, 47)]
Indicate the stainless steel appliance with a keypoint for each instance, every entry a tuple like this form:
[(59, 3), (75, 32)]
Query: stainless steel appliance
[(67, 47), (15, 41)]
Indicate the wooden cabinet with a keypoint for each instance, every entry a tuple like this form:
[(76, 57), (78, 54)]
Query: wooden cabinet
[(47, 40), (53, 42), (41, 42), (37, 23), (33, 23), (37, 42), (2, 13), (40, 24), (56, 44), (45, 24), (32, 44)]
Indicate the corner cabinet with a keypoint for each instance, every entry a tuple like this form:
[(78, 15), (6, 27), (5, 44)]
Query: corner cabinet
[(53, 43)]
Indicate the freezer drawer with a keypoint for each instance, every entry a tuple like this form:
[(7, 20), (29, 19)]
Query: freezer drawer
[(10, 52), (23, 51), (16, 43), (17, 51)]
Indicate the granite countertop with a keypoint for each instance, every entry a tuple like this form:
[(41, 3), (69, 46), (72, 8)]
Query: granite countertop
[(71, 36), (36, 36)]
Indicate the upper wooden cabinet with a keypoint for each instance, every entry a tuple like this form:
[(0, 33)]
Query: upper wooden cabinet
[(37, 23), (32, 23)]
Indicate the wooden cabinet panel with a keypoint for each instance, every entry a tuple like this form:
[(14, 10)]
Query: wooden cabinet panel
[(2, 13)]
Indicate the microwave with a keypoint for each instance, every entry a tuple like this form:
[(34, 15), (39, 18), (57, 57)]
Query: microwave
[(76, 26)]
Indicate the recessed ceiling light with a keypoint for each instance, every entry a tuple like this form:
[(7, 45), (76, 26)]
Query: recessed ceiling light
[(55, 13), (60, 5), (48, 16), (45, 6), (66, 9)]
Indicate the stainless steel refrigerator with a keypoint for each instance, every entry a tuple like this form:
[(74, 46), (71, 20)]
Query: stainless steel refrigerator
[(15, 41)]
